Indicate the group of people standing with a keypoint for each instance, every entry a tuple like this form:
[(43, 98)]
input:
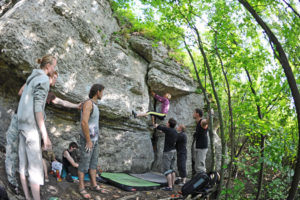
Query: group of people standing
[(176, 140), (27, 129), (175, 147)]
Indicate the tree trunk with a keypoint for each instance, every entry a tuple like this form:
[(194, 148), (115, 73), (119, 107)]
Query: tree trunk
[(200, 46), (210, 125), (292, 83), (262, 143), (231, 133)]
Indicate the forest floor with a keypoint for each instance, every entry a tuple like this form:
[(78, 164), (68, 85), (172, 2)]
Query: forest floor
[(69, 191)]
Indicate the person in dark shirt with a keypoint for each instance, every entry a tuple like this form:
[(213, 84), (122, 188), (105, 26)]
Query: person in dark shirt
[(169, 154), (70, 160), (200, 142), (181, 153)]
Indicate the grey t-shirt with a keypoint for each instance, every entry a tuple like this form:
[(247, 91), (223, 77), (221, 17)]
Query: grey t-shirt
[(93, 123)]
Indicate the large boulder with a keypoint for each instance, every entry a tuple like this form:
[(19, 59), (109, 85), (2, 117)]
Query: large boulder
[(170, 77), (81, 35), (148, 50)]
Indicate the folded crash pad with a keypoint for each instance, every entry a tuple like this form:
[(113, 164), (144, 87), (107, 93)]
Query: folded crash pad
[(152, 177)]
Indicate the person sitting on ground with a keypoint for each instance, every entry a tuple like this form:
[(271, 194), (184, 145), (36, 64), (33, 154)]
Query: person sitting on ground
[(70, 161), (169, 153), (181, 153), (48, 157), (165, 100)]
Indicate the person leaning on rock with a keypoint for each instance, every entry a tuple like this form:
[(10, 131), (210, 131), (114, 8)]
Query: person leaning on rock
[(51, 98), (200, 143), (169, 153)]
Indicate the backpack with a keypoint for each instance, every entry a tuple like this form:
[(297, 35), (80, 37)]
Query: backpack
[(197, 183), (3, 194), (202, 183)]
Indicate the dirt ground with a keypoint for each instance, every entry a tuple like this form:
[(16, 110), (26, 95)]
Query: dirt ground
[(69, 191)]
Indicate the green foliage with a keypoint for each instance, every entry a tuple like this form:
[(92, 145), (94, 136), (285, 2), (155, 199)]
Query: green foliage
[(149, 27), (277, 186), (236, 192), (276, 189)]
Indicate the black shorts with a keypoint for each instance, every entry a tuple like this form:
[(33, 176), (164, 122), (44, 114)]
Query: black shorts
[(158, 115), (181, 164)]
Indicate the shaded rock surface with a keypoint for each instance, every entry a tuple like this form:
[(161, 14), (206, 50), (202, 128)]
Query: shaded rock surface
[(79, 33)]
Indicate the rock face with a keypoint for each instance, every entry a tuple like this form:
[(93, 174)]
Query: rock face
[(81, 34)]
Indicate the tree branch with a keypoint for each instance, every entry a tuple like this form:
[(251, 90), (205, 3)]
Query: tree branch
[(289, 5)]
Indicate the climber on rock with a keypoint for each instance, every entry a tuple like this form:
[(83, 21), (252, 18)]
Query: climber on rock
[(165, 100)]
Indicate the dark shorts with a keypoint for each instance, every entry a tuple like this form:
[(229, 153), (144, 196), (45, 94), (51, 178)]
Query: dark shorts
[(72, 170), (88, 160), (181, 164)]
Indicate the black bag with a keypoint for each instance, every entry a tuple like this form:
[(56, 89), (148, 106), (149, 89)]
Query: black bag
[(196, 184), (3, 194), (214, 179)]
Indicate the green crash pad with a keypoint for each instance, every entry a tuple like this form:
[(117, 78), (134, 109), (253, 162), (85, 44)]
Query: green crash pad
[(129, 183)]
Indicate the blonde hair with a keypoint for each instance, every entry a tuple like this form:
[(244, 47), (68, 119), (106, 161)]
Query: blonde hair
[(47, 59), (168, 95), (182, 127)]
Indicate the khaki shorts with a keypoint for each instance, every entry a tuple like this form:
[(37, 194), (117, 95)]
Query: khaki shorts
[(199, 158), (88, 160), (169, 159), (30, 156)]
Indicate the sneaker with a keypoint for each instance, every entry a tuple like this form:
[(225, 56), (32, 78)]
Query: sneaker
[(178, 181), (134, 113), (167, 189)]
